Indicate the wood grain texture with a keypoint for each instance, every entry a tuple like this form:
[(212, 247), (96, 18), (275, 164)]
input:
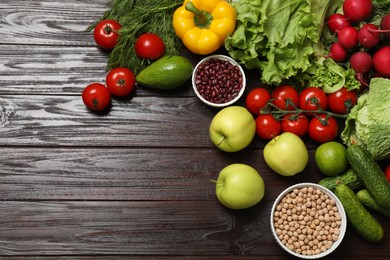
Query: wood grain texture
[(62, 70), (64, 120), (134, 228), (47, 22), (126, 173), (155, 121), (130, 183)]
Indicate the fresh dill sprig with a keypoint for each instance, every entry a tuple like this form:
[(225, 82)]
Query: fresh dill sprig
[(137, 17)]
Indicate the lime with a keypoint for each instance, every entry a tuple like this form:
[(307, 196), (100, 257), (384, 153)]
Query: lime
[(331, 158)]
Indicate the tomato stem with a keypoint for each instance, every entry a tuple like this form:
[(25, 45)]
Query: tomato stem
[(278, 113)]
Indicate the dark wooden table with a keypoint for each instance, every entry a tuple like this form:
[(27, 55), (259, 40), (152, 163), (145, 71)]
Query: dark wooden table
[(131, 183)]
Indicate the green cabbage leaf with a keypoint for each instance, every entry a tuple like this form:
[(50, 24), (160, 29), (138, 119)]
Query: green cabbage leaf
[(368, 122)]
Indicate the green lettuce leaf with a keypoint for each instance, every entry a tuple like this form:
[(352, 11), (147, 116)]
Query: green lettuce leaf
[(282, 39), (331, 76), (368, 123), (276, 36)]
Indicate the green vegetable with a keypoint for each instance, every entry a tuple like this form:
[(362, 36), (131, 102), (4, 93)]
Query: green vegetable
[(361, 220), (279, 53), (331, 77), (370, 174), (137, 17), (348, 178), (367, 200), (368, 123), (293, 53), (167, 72)]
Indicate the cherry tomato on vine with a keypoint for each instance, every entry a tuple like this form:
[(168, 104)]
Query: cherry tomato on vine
[(323, 129), (106, 33), (120, 81), (96, 96), (387, 172), (256, 99), (295, 123), (149, 46), (282, 93), (267, 127), (312, 98), (342, 101)]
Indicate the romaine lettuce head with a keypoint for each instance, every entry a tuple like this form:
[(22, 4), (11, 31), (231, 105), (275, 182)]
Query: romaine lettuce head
[(368, 122)]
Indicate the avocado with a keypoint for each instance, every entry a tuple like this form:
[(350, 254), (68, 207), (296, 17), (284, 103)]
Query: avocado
[(168, 72)]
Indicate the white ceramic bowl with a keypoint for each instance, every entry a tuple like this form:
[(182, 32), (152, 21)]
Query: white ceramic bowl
[(204, 100), (341, 211)]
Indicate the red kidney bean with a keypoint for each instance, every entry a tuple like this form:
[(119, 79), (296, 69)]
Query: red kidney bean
[(218, 81)]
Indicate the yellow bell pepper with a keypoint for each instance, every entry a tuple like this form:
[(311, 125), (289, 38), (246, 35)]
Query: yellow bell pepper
[(203, 25)]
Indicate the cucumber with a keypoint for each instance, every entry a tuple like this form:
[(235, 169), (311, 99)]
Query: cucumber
[(358, 216), (369, 173), (349, 178), (366, 199)]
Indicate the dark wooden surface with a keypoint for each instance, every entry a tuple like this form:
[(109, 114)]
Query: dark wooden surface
[(131, 183)]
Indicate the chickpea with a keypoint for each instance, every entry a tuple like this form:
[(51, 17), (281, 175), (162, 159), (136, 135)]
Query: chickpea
[(307, 221)]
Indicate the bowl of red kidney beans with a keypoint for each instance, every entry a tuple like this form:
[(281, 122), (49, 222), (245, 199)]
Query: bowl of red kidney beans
[(218, 80)]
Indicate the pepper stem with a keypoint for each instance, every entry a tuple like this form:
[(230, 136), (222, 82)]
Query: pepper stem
[(202, 19)]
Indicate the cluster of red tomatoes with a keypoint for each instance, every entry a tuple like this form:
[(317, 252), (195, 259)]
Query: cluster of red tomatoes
[(359, 41), (120, 82), (311, 111)]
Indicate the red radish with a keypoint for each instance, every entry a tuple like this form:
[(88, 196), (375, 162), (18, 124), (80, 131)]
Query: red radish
[(336, 22), (369, 36), (381, 61), (357, 10), (337, 52), (348, 38), (361, 62), (385, 25)]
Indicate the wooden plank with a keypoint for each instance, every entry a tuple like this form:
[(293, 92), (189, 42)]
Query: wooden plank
[(50, 70), (47, 22), (161, 121), (127, 174), (67, 228), (62, 70), (150, 121), (146, 228)]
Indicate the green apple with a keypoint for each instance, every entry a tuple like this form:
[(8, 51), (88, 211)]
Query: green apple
[(286, 154), (239, 186), (232, 129)]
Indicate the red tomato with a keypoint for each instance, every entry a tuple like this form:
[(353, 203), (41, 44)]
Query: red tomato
[(149, 46), (322, 130), (96, 96), (312, 98), (120, 81), (296, 124), (281, 94), (267, 127), (387, 172), (342, 101), (106, 33), (256, 99)]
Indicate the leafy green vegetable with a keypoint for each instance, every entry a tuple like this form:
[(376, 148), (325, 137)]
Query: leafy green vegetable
[(278, 37), (368, 122), (288, 42), (331, 77)]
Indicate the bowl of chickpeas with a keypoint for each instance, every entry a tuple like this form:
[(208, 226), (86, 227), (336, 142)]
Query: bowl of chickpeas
[(308, 220)]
